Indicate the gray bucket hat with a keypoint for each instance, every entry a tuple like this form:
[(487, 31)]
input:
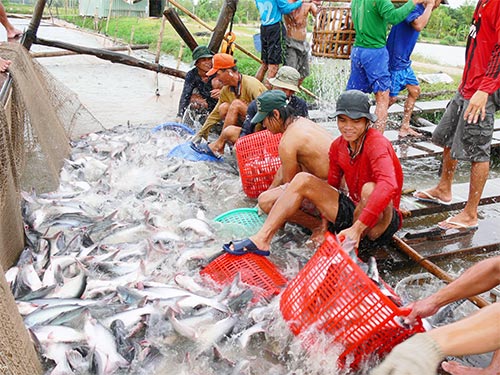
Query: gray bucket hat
[(286, 78), (201, 52), (354, 104)]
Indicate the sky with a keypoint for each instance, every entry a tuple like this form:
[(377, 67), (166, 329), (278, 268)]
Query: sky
[(457, 3)]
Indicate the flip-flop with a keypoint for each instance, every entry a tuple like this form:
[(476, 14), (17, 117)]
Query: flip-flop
[(202, 148), (457, 225), (430, 198), (244, 247)]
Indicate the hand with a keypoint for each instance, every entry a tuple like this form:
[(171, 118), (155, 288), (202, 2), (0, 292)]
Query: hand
[(354, 233), (421, 308), (418, 355), (477, 106), (215, 93)]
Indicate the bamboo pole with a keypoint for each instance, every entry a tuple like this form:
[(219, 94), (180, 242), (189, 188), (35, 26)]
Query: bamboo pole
[(240, 48), (69, 53), (181, 29), (30, 34), (113, 57), (160, 39), (432, 268), (109, 16), (226, 14)]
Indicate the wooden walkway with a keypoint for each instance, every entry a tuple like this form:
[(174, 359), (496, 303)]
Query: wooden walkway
[(421, 232)]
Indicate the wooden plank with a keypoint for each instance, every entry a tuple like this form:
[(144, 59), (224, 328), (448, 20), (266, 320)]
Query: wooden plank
[(491, 194), (485, 238), (430, 106)]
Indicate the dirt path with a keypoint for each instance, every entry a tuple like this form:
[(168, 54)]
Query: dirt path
[(450, 70)]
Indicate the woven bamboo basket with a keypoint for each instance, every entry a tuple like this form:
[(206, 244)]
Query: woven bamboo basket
[(333, 34)]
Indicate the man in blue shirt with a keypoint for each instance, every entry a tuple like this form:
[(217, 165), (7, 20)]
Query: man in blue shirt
[(400, 45), (272, 35)]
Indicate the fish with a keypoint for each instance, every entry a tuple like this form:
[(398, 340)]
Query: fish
[(244, 336), (48, 334), (46, 313), (102, 342)]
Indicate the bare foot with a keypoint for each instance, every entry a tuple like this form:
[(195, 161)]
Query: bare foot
[(408, 132), (455, 368), (13, 33), (4, 65)]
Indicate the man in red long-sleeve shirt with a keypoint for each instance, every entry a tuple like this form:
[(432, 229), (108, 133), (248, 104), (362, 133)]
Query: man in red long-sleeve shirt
[(466, 129), (373, 177)]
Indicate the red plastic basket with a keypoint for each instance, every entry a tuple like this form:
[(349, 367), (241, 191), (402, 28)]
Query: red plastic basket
[(332, 294), (255, 270), (258, 161)]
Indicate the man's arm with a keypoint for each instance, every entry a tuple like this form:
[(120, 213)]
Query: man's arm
[(422, 353), (419, 23), (480, 278), (394, 15)]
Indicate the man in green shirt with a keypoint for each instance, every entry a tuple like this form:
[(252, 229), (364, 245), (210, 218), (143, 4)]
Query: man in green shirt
[(369, 57)]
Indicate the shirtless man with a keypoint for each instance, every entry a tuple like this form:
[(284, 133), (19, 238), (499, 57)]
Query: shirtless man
[(303, 148), (297, 48)]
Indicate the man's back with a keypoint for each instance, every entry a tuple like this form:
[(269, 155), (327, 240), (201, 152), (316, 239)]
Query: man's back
[(305, 146), (296, 22)]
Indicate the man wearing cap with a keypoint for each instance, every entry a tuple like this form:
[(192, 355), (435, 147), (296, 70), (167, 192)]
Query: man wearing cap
[(400, 44), (372, 173), (237, 92), (303, 148), (287, 81), (200, 92)]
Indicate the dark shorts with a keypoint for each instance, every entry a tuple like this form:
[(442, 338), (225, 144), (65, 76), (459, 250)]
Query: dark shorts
[(469, 142), (369, 70), (345, 217), (272, 39)]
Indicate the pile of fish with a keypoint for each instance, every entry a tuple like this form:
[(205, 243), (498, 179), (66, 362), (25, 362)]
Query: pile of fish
[(109, 280)]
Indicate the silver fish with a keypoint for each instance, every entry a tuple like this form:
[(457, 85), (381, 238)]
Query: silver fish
[(102, 342)]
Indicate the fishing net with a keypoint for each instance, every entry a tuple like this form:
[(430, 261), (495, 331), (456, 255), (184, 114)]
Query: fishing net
[(37, 115)]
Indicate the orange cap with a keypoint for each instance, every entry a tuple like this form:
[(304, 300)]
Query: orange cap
[(221, 61)]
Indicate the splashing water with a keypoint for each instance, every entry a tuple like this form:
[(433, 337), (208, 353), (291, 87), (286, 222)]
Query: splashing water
[(330, 80)]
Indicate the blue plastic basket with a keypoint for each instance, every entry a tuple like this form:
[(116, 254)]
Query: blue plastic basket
[(177, 127), (244, 221), (185, 151)]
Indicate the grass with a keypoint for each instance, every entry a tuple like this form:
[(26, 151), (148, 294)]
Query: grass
[(136, 30)]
